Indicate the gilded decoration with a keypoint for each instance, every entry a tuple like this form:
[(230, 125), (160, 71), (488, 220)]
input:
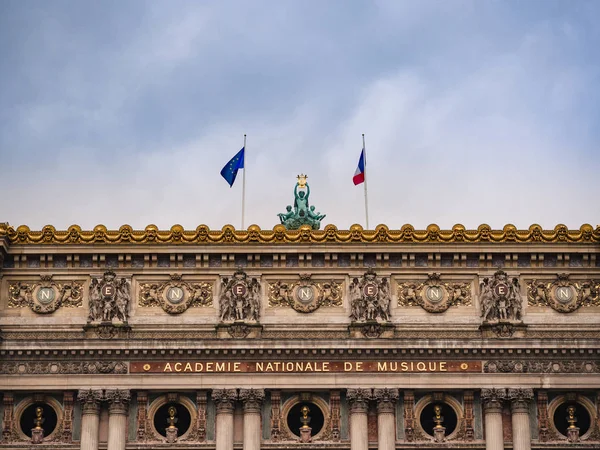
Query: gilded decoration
[(563, 295), (175, 296), (433, 295), (305, 295), (45, 296), (22, 235)]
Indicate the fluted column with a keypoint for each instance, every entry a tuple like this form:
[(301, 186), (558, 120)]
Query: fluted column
[(359, 405), (252, 400), (118, 408), (386, 419), (519, 406), (492, 409), (225, 400), (90, 420)]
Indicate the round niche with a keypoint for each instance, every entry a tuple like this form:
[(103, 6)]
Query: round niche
[(448, 417), (292, 411), (161, 420), (294, 418), (579, 413), (27, 419)]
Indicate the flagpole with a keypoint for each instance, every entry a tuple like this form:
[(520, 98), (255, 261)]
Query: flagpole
[(244, 185), (365, 175)]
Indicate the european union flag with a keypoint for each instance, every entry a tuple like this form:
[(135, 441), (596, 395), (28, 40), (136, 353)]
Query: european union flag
[(229, 172)]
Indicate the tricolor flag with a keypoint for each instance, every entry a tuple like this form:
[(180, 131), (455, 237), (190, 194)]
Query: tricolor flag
[(359, 175), (229, 172)]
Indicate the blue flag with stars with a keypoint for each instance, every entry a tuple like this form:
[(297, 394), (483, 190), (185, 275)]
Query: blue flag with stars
[(229, 172)]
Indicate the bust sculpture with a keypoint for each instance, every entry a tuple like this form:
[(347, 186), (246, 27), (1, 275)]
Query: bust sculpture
[(302, 213)]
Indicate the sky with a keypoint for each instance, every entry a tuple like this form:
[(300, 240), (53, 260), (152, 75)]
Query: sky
[(474, 111)]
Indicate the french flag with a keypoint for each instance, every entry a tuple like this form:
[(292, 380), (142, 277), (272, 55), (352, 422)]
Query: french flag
[(359, 175)]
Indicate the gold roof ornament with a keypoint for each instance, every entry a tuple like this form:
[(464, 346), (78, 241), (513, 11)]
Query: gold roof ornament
[(459, 234)]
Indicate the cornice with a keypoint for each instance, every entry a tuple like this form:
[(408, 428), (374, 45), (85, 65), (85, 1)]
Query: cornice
[(228, 235)]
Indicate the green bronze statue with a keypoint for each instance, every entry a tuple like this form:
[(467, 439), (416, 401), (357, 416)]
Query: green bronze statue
[(303, 213)]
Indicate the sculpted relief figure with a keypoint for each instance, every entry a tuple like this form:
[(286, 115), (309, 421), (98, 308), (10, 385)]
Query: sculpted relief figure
[(109, 299), (240, 298), (369, 298), (500, 298)]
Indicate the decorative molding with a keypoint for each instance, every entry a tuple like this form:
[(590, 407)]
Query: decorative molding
[(252, 399), (45, 296), (8, 418), (144, 432), (118, 400), (175, 296), (335, 422), (228, 235), (468, 430), (563, 295), (225, 400), (527, 366), (305, 295), (359, 399), (55, 368), (276, 425), (433, 295)]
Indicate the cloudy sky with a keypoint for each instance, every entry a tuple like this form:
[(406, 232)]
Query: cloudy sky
[(481, 111)]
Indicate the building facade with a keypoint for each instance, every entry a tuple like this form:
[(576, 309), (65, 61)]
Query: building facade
[(270, 339)]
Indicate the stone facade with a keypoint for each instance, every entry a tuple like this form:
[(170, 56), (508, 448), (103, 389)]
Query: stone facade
[(349, 339)]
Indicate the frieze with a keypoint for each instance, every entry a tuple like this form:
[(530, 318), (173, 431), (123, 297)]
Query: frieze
[(45, 296), (52, 368), (563, 295), (526, 366), (305, 295), (433, 295), (23, 235), (175, 296)]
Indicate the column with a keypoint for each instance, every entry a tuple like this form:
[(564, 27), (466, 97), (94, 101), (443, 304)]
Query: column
[(359, 405), (90, 419), (118, 408), (492, 410), (386, 418), (519, 406), (225, 401), (252, 400)]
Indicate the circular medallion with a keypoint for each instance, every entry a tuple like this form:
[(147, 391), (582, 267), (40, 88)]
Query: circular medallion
[(563, 294), (435, 294), (108, 290), (239, 289), (45, 295), (370, 290), (305, 294), (175, 294), (501, 290)]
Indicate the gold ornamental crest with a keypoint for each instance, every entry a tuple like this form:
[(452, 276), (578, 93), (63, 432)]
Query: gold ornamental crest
[(305, 295)]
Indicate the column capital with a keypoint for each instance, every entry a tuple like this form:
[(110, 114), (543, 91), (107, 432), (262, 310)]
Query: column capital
[(493, 399), (359, 399), (386, 399), (520, 399), (90, 399), (225, 399), (252, 399), (118, 400)]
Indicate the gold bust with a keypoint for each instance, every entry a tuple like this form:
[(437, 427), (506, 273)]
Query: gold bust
[(571, 416), (39, 420), (172, 420)]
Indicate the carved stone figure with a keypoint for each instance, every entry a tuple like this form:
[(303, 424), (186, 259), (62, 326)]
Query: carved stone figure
[(370, 298), (500, 298), (240, 298), (109, 299), (303, 213)]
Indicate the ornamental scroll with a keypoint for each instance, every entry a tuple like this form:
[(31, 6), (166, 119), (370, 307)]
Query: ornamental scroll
[(563, 295), (175, 296), (45, 296), (305, 295), (433, 295)]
